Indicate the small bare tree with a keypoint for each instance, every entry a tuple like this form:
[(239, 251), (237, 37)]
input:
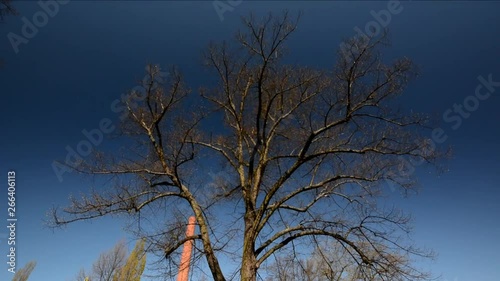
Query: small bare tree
[(306, 153), (114, 265), (107, 265)]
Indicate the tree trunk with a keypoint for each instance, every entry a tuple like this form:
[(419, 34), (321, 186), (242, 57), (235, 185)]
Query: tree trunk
[(249, 260)]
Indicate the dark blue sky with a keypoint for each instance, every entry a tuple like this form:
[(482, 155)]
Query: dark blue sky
[(65, 78)]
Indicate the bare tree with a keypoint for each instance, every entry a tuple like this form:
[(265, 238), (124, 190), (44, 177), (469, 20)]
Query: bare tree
[(114, 265), (107, 265), (307, 154), (333, 262), (24, 273)]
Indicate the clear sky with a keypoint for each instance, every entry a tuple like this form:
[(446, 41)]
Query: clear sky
[(64, 78)]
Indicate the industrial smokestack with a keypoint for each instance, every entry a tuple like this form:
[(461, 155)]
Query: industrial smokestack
[(183, 274)]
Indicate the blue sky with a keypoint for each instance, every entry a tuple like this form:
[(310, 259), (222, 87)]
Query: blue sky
[(64, 79)]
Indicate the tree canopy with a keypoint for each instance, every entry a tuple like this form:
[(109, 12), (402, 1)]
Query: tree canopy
[(305, 154)]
